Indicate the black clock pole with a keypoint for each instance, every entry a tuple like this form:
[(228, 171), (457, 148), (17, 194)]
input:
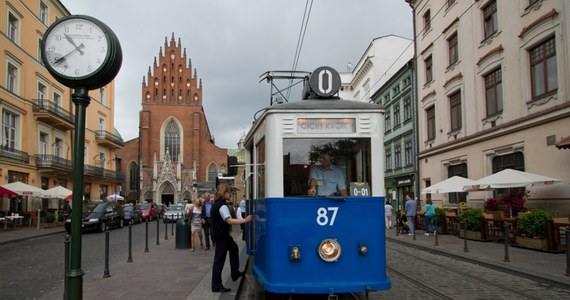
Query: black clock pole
[(81, 99)]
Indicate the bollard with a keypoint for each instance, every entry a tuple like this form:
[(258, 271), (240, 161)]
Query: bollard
[(567, 252), (165, 229), (146, 236), (506, 236), (106, 273), (172, 228), (435, 232), (465, 236), (66, 266), (130, 259), (157, 230)]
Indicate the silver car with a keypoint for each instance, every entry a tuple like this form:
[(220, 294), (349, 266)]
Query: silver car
[(173, 213)]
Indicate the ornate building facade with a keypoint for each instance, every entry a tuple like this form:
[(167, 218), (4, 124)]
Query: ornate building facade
[(175, 157)]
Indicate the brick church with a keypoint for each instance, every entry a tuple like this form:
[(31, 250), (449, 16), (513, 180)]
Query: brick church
[(176, 151)]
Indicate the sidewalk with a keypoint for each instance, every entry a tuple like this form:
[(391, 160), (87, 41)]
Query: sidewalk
[(547, 267), (162, 273)]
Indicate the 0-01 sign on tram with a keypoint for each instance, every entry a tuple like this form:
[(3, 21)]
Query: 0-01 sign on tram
[(325, 81)]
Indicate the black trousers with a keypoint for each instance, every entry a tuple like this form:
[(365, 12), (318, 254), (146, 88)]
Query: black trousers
[(207, 234), (223, 246)]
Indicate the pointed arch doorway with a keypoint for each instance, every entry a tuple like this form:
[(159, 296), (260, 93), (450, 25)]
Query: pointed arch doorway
[(167, 194)]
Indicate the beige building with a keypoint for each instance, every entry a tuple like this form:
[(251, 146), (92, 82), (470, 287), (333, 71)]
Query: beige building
[(493, 93), (38, 116)]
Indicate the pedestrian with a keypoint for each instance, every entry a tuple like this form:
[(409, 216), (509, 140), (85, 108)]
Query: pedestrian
[(429, 214), (206, 216), (326, 179), (196, 223), (388, 215), (221, 224), (411, 207), (240, 214), (66, 210)]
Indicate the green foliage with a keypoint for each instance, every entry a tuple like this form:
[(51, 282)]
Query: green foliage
[(472, 218), (50, 217), (533, 223)]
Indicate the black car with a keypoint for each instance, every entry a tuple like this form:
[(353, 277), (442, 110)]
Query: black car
[(132, 214), (104, 215)]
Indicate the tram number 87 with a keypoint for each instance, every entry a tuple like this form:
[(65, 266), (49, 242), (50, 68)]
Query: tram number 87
[(323, 216)]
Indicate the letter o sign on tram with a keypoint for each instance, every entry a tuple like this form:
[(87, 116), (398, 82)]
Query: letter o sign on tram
[(325, 81)]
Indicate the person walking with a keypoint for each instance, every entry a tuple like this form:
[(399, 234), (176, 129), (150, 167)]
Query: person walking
[(388, 215), (196, 223), (429, 214), (206, 216), (221, 222), (411, 207)]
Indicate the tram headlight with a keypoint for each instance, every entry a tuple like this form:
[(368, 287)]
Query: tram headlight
[(330, 250)]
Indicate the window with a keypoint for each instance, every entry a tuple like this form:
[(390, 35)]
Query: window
[(101, 125), (397, 156), (172, 140), (543, 68), (490, 19), (12, 78), (387, 121), (43, 13), (56, 100), (102, 95), (513, 161), (430, 117), (429, 69), (388, 158), (44, 140), (397, 114), (13, 27), (427, 21), (457, 170), (58, 147), (9, 130), (212, 173), (133, 176), (455, 111), (407, 108), (453, 49), (494, 93), (102, 160), (42, 91), (408, 154)]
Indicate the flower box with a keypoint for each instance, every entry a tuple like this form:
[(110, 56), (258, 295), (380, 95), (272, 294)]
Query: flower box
[(536, 244), (472, 235)]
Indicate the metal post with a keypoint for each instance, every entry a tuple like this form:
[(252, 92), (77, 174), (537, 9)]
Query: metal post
[(506, 236), (66, 266), (465, 236), (435, 232), (75, 275), (130, 259), (165, 228), (146, 236), (157, 230), (567, 252), (172, 225), (106, 272)]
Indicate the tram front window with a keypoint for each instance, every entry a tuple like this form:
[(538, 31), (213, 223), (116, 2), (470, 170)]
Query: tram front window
[(350, 155)]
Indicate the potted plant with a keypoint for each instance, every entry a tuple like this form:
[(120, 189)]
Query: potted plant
[(532, 229), (472, 220), (49, 220), (440, 219), (491, 204)]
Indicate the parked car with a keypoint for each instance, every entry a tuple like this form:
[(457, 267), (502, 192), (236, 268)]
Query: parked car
[(132, 214), (161, 208), (87, 208), (104, 215), (149, 211), (173, 213)]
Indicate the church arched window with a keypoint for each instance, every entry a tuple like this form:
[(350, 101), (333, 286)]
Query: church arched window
[(212, 173), (172, 140), (133, 176)]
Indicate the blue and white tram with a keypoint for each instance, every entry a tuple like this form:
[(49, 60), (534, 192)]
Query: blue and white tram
[(304, 244)]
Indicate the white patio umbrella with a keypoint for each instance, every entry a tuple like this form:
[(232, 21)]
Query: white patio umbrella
[(58, 192), (115, 197), (455, 184), (509, 178), (25, 189)]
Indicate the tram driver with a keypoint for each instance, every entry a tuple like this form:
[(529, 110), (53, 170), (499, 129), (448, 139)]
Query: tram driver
[(326, 179)]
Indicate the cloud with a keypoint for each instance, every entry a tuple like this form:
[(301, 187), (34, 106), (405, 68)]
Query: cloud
[(231, 43)]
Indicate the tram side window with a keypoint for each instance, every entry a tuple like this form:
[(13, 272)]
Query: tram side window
[(351, 155)]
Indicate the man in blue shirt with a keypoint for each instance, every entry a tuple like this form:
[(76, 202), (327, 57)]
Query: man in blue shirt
[(326, 179), (411, 207), (206, 215)]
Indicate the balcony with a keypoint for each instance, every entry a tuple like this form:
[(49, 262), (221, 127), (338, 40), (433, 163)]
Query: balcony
[(103, 174), (50, 113), (53, 164), (108, 139), (8, 154)]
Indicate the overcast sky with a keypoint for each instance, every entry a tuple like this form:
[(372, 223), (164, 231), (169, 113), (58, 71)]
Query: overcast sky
[(232, 42)]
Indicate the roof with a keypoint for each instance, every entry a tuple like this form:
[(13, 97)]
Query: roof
[(564, 143)]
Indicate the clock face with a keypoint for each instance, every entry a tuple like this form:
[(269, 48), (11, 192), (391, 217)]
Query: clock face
[(75, 48)]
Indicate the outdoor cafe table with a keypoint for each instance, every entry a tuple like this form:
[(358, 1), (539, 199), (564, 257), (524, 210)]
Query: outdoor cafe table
[(13, 221)]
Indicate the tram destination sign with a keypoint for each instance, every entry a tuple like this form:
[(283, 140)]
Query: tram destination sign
[(322, 125)]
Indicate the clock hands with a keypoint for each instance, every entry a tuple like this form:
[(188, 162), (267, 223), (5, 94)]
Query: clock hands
[(63, 58), (71, 41)]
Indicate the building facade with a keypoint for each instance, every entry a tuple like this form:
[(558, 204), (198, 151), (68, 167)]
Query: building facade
[(493, 93), (38, 116), (397, 96), (175, 157)]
